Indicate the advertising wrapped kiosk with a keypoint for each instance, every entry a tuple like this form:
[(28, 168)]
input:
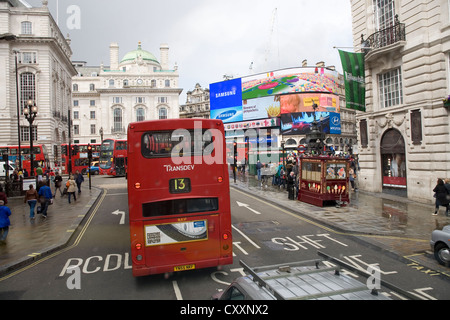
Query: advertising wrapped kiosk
[(323, 178)]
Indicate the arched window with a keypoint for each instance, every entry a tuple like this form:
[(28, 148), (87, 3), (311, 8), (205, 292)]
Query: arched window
[(111, 82), (75, 87), (92, 87), (117, 118), (153, 83), (167, 83), (140, 114), (125, 83), (162, 113), (27, 88)]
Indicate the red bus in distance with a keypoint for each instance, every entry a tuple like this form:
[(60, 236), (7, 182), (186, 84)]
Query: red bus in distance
[(79, 156), (178, 196), (113, 157)]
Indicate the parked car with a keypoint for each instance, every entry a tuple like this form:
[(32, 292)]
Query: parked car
[(94, 168), (306, 280), (440, 244)]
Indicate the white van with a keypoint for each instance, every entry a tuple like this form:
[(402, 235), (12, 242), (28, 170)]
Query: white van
[(11, 167)]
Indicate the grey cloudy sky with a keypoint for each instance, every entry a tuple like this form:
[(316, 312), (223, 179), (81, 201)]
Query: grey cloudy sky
[(210, 38)]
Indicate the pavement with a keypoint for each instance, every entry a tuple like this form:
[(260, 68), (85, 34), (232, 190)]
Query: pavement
[(29, 240), (396, 225)]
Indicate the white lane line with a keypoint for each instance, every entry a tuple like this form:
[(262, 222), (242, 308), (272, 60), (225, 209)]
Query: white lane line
[(248, 239), (177, 290)]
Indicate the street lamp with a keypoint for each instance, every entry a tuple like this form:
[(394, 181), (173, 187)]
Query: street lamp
[(30, 112), (17, 52), (101, 134)]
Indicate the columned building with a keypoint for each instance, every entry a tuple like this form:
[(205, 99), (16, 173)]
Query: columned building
[(404, 136), (137, 87), (197, 103), (32, 44)]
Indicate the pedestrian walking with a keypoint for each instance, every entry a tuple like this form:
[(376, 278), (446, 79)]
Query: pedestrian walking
[(39, 173), (79, 179), (71, 188), (58, 184), (290, 185), (31, 197), (3, 196), (258, 169), (447, 184), (45, 198), (283, 178), (442, 198), (5, 212), (351, 177)]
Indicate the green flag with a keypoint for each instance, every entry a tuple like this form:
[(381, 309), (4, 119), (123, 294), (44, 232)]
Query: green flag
[(355, 91)]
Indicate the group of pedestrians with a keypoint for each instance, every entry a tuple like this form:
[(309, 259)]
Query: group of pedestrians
[(45, 196), (39, 199)]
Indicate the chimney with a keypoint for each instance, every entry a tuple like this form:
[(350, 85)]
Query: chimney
[(304, 63), (114, 56), (164, 52), (320, 64)]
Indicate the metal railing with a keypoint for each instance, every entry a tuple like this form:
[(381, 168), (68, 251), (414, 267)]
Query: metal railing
[(384, 37)]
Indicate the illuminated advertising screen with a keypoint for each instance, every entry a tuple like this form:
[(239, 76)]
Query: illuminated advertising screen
[(260, 108), (303, 102), (226, 100), (293, 80), (299, 123), (227, 105)]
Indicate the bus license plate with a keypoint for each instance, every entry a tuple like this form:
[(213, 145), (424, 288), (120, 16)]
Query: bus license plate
[(184, 268)]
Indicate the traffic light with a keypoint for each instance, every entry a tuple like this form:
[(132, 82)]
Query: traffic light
[(75, 149), (64, 150), (89, 148)]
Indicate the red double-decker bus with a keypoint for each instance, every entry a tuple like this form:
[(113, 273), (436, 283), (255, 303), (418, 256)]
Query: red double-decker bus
[(40, 156), (113, 157), (79, 156), (178, 196)]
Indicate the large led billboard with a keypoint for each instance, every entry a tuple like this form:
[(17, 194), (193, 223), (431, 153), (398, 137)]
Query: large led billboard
[(226, 100), (227, 105), (299, 123), (297, 113), (293, 80), (272, 94)]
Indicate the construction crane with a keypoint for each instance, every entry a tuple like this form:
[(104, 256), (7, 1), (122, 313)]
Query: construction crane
[(269, 44)]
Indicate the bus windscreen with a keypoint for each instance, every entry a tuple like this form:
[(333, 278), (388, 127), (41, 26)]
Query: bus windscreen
[(180, 142)]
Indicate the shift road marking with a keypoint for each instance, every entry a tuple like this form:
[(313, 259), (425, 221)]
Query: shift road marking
[(321, 225)]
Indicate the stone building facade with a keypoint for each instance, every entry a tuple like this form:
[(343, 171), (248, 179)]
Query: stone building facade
[(197, 104), (30, 36), (404, 135), (137, 87)]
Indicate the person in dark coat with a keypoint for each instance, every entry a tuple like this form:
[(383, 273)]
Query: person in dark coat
[(79, 179), (290, 185), (442, 197)]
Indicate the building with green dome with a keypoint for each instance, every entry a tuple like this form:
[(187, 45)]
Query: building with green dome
[(134, 87)]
